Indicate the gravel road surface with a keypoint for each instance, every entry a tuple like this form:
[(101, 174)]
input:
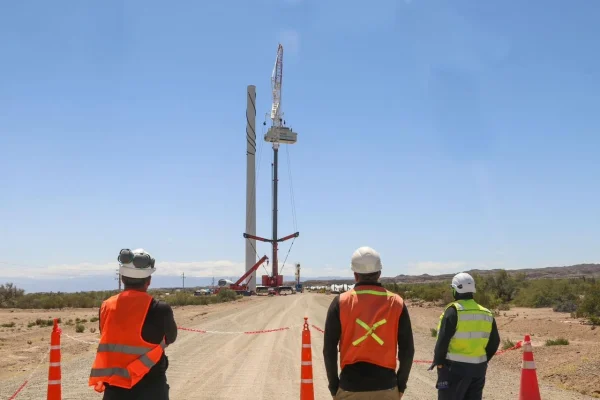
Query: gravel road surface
[(261, 366)]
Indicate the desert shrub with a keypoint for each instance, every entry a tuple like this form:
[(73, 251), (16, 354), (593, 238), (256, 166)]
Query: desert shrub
[(93, 330), (226, 295), (79, 328), (8, 325), (94, 319), (184, 299), (503, 307), (557, 342), (590, 304), (10, 295), (507, 344), (433, 332), (44, 322), (565, 306)]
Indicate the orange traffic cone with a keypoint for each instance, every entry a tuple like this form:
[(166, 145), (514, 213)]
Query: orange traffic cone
[(54, 374), (530, 389), (307, 391)]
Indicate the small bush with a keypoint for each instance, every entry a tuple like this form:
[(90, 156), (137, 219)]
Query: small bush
[(83, 321), (503, 307), (565, 306), (9, 325), (433, 332), (507, 344), (557, 342), (94, 319), (93, 330), (225, 295), (79, 328), (595, 321)]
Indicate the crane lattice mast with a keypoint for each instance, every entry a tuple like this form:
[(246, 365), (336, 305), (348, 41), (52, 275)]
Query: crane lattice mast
[(277, 134), (276, 83)]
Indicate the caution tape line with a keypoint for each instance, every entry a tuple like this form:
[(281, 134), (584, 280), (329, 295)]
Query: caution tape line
[(24, 384), (80, 340), (235, 332)]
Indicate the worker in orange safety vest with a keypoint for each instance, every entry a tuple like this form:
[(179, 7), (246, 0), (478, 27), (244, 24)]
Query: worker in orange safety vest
[(135, 329), (373, 330)]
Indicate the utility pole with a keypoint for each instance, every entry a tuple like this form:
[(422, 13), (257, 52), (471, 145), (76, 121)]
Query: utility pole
[(119, 279), (183, 280), (213, 282)]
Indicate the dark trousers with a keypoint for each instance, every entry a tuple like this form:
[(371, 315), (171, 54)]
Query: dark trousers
[(462, 388), (157, 390)]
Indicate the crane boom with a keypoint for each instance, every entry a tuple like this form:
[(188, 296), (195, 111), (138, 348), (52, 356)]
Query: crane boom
[(250, 271), (276, 82)]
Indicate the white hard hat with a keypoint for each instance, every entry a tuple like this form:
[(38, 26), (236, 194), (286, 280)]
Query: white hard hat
[(463, 283), (136, 264), (365, 260)]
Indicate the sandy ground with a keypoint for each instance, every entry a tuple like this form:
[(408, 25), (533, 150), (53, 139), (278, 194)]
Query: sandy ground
[(225, 364)]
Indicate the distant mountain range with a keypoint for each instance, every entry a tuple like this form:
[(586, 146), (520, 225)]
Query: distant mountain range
[(89, 283), (573, 271)]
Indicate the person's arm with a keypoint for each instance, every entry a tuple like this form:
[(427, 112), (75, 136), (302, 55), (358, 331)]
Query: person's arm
[(447, 330), (170, 327), (493, 342), (406, 349), (333, 332)]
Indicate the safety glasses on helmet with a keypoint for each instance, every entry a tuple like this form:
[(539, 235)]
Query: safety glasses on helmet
[(126, 256)]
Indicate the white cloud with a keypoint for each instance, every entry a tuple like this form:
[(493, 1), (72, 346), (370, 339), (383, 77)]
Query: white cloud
[(197, 269)]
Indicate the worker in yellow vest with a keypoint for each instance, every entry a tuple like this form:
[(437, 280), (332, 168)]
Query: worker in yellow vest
[(467, 339), (135, 329), (373, 330)]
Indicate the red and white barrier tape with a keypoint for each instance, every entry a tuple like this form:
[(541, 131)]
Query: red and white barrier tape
[(235, 332), (20, 389)]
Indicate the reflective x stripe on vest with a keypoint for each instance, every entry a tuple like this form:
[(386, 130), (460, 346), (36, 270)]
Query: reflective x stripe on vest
[(370, 331), (473, 330), (124, 349)]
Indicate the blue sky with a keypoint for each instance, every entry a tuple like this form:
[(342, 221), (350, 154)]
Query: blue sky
[(447, 135)]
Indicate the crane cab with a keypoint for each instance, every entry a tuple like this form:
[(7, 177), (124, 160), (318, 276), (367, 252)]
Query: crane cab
[(281, 134)]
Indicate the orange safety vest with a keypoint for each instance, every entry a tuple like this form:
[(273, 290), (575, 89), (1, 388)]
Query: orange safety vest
[(123, 356), (369, 316)]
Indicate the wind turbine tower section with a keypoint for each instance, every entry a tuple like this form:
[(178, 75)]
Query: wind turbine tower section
[(251, 182)]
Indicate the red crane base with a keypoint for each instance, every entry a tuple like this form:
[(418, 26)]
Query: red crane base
[(272, 281)]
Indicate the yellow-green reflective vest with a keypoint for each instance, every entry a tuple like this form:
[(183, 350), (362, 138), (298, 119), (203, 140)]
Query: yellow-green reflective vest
[(472, 332)]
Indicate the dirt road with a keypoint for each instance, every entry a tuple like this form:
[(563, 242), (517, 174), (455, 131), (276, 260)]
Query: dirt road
[(259, 366)]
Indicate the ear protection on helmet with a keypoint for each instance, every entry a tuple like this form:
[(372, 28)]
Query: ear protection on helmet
[(126, 256)]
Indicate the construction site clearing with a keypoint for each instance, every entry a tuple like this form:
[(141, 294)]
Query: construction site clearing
[(250, 344)]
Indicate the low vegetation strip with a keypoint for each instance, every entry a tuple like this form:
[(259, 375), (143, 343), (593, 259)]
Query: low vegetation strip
[(500, 291), (13, 297)]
